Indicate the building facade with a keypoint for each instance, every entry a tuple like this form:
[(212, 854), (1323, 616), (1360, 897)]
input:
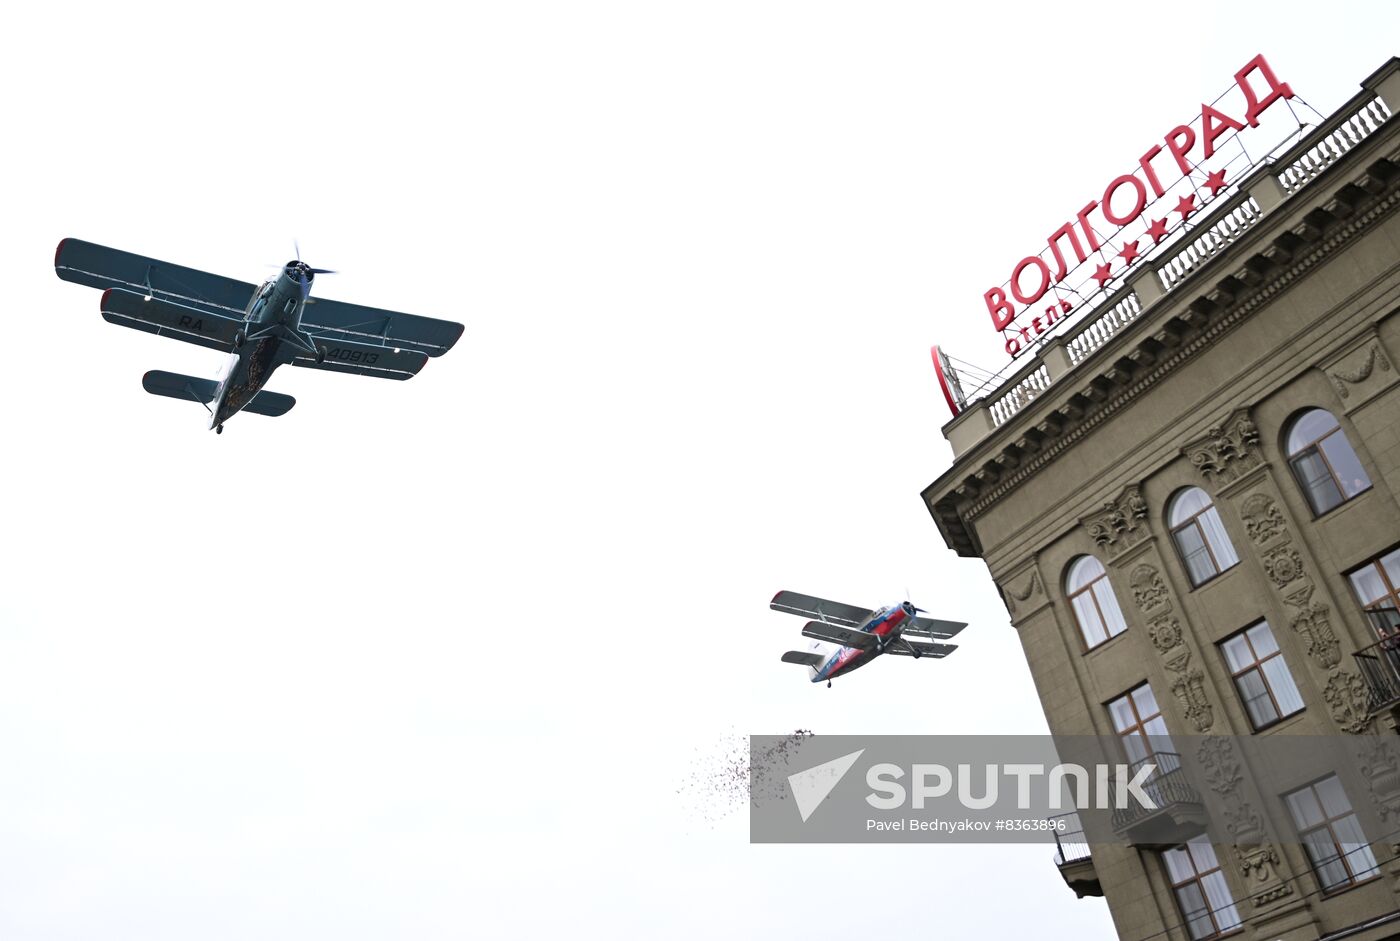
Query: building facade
[(1190, 504)]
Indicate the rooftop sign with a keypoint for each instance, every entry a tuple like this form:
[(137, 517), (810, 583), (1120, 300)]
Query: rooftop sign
[(1137, 211)]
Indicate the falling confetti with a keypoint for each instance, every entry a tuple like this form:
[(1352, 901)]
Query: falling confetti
[(730, 776)]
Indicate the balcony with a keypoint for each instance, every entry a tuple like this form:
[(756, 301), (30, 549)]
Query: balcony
[(1178, 815), (1073, 859), (1380, 669)]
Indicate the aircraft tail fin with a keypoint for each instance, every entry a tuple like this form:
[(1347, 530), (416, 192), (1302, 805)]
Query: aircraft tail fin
[(203, 391)]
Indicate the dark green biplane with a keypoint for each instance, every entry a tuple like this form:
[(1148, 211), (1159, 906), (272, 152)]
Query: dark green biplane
[(261, 326)]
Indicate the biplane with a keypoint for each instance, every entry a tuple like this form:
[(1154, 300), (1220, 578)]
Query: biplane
[(861, 634), (261, 327)]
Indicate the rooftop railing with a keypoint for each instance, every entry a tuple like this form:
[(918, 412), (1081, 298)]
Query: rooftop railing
[(1328, 143), (1094, 333), (1205, 243)]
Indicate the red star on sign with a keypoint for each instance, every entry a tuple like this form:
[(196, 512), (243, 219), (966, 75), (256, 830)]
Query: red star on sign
[(1129, 252), (1102, 275), (1215, 181), (1186, 205), (1158, 230)]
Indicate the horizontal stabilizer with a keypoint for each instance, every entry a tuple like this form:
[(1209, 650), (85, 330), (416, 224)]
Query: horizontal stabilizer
[(845, 636), (194, 389), (177, 386), (271, 404), (806, 659)]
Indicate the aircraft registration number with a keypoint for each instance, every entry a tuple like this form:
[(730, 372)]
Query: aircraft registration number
[(344, 355)]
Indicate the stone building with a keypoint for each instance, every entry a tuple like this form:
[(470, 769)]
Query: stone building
[(1189, 504)]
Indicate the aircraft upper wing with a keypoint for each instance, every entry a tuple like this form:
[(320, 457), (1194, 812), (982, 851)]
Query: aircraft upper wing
[(845, 636), (100, 267), (933, 627), (336, 320), (907, 649), (807, 606)]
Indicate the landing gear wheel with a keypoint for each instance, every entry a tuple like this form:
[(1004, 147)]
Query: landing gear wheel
[(320, 357), (828, 684), (238, 340), (218, 429)]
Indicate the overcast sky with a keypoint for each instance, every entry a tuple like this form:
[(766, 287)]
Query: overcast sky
[(432, 659)]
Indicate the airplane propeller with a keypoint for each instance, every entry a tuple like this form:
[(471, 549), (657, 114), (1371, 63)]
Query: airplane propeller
[(302, 266)]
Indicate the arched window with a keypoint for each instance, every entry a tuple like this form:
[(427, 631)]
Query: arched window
[(1091, 597), (1323, 461), (1199, 535)]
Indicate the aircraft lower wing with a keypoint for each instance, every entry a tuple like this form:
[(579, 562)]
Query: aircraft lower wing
[(168, 319), (933, 627), (361, 359), (790, 602), (907, 649), (100, 267), (835, 634), (336, 320)]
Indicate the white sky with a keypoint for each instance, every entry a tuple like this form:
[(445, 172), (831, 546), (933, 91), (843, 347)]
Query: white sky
[(431, 659)]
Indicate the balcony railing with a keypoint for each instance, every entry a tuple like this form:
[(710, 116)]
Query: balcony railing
[(1072, 856), (1070, 844), (1178, 811), (1380, 668)]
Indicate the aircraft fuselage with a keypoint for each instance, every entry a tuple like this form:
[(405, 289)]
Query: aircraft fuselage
[(885, 623), (271, 334)]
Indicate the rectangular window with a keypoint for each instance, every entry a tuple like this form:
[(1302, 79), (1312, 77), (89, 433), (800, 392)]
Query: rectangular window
[(1318, 483), (1261, 676), (1331, 834), (1138, 721), (1199, 565), (1200, 889), (1377, 586)]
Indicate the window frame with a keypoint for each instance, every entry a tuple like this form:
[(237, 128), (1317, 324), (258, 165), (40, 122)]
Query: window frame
[(1392, 594), (1315, 447), (1257, 666), (1192, 521), (1352, 879), (1198, 879), (1088, 589), (1139, 727)]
